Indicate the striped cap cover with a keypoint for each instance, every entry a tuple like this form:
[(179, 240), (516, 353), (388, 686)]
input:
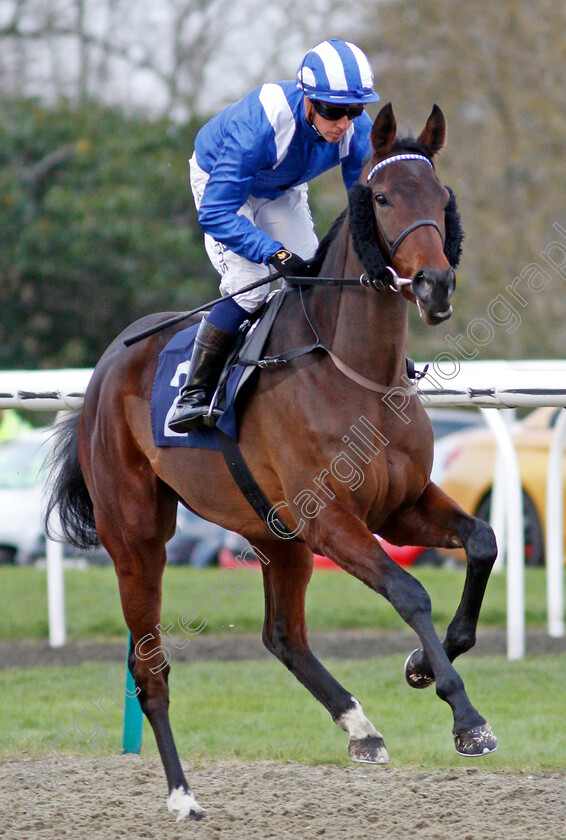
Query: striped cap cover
[(338, 72)]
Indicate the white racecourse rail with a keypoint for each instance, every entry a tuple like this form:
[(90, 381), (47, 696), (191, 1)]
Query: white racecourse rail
[(486, 385)]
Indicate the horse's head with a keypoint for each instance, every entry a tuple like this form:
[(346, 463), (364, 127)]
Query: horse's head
[(415, 213)]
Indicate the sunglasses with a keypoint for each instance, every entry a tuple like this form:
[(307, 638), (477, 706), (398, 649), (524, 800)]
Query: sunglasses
[(336, 112)]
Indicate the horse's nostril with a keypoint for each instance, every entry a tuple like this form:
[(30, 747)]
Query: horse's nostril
[(423, 283)]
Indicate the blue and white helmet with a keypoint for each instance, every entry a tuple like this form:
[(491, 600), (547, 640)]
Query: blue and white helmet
[(337, 71)]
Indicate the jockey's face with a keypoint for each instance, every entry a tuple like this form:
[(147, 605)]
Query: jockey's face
[(331, 130)]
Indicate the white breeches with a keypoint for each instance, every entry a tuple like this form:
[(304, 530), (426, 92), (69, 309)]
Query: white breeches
[(287, 219)]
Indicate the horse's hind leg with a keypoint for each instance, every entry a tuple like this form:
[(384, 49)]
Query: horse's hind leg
[(438, 521), (285, 579), (134, 527)]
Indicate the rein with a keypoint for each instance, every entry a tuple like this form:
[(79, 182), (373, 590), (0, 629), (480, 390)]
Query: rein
[(290, 355), (378, 274), (394, 282)]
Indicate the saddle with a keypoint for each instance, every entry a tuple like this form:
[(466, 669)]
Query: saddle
[(245, 358)]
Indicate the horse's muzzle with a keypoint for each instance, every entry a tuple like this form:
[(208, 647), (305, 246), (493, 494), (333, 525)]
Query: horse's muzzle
[(433, 291)]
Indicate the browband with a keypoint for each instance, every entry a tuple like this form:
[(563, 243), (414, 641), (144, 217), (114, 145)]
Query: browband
[(393, 158)]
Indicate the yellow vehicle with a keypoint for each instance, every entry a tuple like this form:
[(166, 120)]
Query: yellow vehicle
[(469, 465)]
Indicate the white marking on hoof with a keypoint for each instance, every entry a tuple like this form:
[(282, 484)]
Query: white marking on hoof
[(184, 802), (368, 750), (355, 723)]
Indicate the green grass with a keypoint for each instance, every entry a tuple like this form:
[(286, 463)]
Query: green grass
[(335, 601), (256, 710)]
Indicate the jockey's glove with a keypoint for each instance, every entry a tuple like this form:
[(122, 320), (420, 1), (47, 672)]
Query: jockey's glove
[(288, 264)]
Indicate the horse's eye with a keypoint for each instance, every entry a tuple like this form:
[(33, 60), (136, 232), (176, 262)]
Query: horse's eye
[(381, 200)]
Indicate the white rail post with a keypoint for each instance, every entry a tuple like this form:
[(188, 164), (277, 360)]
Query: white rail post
[(555, 530), (55, 593), (515, 535), (497, 514)]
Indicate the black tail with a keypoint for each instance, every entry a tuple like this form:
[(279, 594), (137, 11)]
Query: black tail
[(69, 493)]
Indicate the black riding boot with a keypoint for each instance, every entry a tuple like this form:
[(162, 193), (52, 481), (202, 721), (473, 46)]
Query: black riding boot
[(210, 351)]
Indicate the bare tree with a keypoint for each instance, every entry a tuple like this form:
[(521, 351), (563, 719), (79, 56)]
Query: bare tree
[(176, 57)]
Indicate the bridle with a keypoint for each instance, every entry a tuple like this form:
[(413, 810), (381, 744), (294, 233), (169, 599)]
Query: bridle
[(397, 282)]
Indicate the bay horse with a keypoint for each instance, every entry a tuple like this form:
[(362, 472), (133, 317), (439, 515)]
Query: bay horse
[(114, 484)]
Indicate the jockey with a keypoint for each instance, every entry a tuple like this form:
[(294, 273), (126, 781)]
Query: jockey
[(248, 176)]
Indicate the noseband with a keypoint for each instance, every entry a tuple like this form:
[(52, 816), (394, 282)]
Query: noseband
[(393, 246)]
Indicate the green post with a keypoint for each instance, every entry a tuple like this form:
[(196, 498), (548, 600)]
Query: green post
[(133, 715)]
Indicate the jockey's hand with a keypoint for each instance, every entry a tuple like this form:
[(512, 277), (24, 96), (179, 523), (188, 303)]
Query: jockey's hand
[(288, 264)]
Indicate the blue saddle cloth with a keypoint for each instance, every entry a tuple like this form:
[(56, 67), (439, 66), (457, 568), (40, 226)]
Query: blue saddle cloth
[(172, 367)]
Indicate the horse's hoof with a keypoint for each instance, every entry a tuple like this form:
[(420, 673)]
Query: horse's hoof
[(183, 803), (479, 740), (417, 673), (368, 750)]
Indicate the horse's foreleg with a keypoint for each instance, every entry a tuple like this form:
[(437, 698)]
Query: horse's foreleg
[(438, 521), (285, 578), (343, 536)]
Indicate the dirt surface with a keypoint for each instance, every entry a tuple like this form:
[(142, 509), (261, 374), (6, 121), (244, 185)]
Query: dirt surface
[(346, 644), (123, 796)]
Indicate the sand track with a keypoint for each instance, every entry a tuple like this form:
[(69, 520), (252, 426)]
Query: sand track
[(124, 796)]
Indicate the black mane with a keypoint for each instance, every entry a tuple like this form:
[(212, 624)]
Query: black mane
[(325, 243)]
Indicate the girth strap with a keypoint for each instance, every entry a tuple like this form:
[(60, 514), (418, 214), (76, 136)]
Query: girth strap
[(250, 488)]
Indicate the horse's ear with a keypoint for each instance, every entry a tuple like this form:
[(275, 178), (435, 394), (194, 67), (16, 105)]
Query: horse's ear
[(433, 134), (384, 130)]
